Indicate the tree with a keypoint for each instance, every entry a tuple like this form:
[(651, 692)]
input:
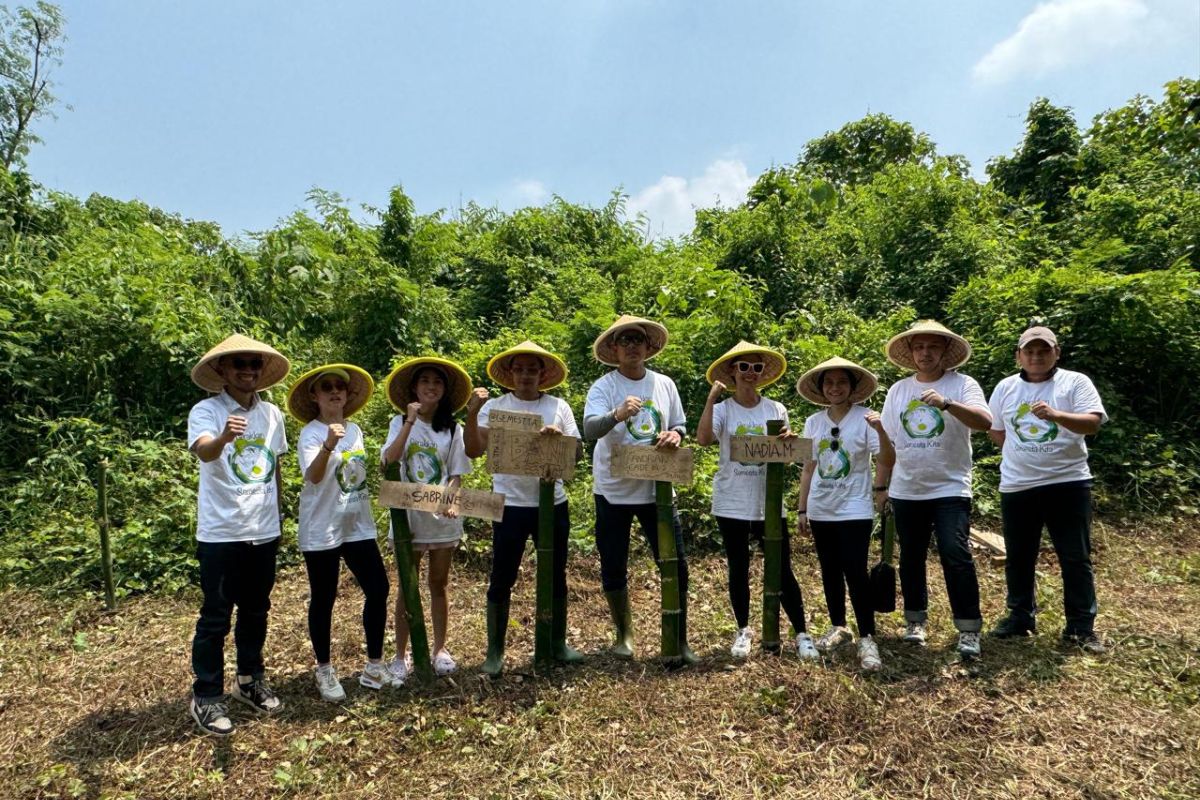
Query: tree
[(856, 152), (1043, 170), (30, 47)]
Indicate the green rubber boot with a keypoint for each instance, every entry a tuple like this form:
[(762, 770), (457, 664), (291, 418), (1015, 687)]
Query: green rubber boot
[(622, 617), (497, 632), (558, 634)]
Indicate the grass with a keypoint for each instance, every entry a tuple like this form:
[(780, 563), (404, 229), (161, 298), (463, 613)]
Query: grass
[(94, 705)]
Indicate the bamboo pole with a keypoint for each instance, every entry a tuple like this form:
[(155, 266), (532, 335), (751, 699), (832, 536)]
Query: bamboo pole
[(669, 571), (410, 590), (543, 631), (772, 549), (106, 567)]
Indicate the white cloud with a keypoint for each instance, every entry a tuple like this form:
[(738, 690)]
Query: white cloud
[(527, 193), (1066, 33), (670, 204)]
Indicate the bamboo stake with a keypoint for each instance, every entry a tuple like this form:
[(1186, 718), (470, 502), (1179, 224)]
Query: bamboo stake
[(772, 549), (406, 569), (106, 567), (543, 631), (669, 571)]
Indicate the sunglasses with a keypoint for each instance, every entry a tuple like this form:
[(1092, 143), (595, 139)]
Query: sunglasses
[(331, 385), (633, 337), (246, 363), (746, 366), (835, 441)]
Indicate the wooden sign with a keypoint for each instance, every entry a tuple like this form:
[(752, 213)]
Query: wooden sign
[(519, 452), (769, 450), (652, 464), (436, 499), (514, 421)]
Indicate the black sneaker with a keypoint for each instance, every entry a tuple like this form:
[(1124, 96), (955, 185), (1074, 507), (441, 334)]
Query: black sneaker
[(1009, 628), (212, 717), (257, 695), (1088, 642)]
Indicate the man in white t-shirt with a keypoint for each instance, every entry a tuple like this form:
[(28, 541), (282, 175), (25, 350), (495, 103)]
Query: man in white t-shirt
[(929, 418), (239, 438), (631, 405), (1040, 418)]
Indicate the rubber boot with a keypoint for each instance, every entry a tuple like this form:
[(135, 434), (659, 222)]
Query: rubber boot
[(685, 652), (558, 634), (497, 632), (622, 617)]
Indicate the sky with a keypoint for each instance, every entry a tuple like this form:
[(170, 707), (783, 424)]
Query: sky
[(231, 111)]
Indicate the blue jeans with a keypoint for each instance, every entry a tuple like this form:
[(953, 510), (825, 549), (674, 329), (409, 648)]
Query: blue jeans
[(948, 519), (1065, 509)]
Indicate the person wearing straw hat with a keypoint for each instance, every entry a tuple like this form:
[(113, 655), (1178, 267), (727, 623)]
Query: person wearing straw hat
[(528, 371), (428, 444), (631, 405), (739, 490), (836, 493), (1041, 417), (239, 438), (336, 524), (929, 417)]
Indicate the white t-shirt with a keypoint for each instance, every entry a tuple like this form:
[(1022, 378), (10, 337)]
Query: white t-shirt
[(522, 490), (430, 457), (740, 490), (1038, 452), (841, 483), (238, 497), (933, 449), (661, 411), (337, 508)]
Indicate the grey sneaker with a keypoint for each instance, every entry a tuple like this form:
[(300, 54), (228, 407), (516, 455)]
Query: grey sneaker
[(375, 676), (806, 648), (741, 645), (915, 633), (834, 638), (398, 668), (968, 645), (868, 654), (212, 717), (257, 695), (1088, 642), (328, 685)]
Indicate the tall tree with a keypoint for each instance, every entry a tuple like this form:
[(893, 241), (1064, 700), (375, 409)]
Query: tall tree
[(30, 47), (1046, 165)]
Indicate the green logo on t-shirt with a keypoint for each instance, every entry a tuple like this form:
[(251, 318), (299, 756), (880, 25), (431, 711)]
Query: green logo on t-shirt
[(922, 421), (832, 464), (252, 461), (646, 424), (351, 471), (1029, 428), (423, 464)]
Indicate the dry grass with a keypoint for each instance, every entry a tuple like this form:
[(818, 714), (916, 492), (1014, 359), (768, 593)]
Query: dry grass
[(94, 705)]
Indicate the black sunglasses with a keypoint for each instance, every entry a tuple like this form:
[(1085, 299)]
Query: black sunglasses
[(247, 363), (626, 339), (746, 366), (835, 441), (328, 385)]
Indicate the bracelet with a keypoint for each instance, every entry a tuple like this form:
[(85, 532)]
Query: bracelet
[(946, 404), (802, 511), (326, 448), (880, 488)]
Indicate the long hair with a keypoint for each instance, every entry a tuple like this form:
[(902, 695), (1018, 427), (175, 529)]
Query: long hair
[(443, 415)]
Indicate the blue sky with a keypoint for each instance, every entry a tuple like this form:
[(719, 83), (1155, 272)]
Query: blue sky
[(232, 111)]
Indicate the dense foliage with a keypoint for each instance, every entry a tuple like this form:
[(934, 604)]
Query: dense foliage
[(105, 305)]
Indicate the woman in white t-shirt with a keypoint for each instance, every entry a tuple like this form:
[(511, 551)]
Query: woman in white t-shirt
[(428, 444), (335, 516), (837, 497), (739, 490)]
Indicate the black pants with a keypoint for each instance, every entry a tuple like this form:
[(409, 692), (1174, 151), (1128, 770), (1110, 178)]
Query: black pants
[(736, 535), (949, 519), (842, 549), (508, 547), (613, 523), (366, 565), (1065, 509), (231, 574)]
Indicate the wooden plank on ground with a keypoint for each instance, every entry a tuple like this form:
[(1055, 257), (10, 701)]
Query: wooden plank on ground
[(991, 542)]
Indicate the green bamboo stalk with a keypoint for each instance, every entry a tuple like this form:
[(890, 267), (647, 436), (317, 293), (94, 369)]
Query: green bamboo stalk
[(410, 589), (110, 595), (669, 572), (543, 631), (772, 549)]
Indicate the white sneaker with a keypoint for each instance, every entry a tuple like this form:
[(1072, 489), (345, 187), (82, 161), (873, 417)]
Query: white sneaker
[(443, 663), (741, 645), (806, 649), (834, 638), (968, 645), (868, 654), (915, 633), (399, 668), (328, 685), (375, 676)]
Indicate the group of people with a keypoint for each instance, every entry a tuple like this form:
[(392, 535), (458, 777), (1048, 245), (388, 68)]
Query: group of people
[(915, 455)]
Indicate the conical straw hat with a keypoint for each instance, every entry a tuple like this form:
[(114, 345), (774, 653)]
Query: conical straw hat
[(275, 366), (604, 348), (808, 389), (303, 406), (554, 369), (958, 351), (722, 369), (458, 382)]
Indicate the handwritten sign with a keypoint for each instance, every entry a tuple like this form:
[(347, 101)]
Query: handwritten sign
[(652, 464), (514, 420), (436, 499), (519, 452), (769, 449)]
